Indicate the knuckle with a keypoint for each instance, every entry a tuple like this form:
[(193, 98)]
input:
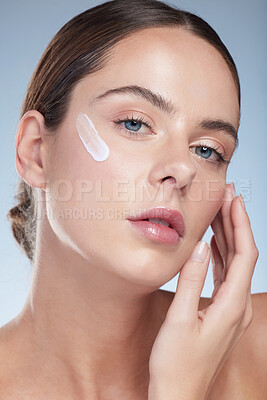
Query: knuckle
[(233, 317), (249, 319), (255, 250), (256, 253), (236, 313), (237, 310), (253, 253), (192, 281), (237, 316)]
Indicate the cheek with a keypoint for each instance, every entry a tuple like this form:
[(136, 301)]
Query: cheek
[(90, 138), (71, 160), (204, 202), (82, 185)]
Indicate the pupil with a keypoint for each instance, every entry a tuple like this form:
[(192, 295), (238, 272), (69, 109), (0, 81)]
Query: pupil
[(204, 151), (133, 124)]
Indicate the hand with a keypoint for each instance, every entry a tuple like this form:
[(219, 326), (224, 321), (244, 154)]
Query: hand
[(192, 345)]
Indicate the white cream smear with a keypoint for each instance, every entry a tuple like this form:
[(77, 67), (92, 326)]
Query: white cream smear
[(90, 138)]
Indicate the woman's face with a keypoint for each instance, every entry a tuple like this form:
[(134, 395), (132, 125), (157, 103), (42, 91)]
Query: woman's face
[(88, 201)]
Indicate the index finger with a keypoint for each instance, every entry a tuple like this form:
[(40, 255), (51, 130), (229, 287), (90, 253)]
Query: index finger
[(241, 269)]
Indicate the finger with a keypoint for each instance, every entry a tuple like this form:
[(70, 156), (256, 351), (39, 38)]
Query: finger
[(223, 228), (217, 261), (241, 269), (220, 239), (232, 299), (217, 266), (228, 225), (184, 307), (249, 309)]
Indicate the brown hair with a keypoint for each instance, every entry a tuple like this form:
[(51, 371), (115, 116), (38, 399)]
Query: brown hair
[(82, 46)]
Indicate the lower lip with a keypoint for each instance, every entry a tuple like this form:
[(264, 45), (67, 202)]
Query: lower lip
[(159, 233)]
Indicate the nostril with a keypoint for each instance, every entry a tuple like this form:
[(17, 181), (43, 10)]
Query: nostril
[(172, 179)]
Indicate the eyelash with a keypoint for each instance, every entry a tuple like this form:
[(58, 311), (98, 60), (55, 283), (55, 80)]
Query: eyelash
[(142, 120)]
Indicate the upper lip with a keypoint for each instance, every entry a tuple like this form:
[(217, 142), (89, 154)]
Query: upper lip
[(173, 217)]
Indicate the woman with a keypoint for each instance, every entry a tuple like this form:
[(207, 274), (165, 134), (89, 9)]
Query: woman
[(134, 106)]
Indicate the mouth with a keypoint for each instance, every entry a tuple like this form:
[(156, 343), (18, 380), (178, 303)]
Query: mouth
[(160, 224)]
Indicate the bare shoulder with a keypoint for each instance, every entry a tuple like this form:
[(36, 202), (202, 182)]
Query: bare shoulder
[(6, 356), (9, 368), (243, 375), (255, 337), (4, 362)]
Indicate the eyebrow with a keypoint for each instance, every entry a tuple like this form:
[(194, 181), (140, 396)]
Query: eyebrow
[(219, 125), (163, 104)]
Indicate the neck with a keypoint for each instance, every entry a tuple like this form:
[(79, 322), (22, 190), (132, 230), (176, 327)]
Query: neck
[(89, 323)]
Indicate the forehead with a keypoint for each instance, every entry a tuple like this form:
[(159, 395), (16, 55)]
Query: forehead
[(177, 64)]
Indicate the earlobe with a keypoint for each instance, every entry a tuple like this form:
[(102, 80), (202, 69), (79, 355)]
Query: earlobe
[(28, 143)]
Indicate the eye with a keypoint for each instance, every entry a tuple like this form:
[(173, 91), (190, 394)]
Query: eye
[(211, 153), (131, 126)]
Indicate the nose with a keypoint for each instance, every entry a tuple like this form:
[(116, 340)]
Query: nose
[(175, 168)]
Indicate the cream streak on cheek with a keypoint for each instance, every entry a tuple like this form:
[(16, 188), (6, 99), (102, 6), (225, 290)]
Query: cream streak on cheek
[(90, 138)]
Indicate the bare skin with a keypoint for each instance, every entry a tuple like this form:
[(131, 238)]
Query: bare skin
[(236, 380), (94, 308)]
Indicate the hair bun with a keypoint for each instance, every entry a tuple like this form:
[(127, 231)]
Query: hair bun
[(23, 220)]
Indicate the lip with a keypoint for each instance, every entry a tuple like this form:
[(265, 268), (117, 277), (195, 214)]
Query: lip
[(169, 235)]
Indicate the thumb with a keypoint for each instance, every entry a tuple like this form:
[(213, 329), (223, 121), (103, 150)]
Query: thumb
[(190, 284)]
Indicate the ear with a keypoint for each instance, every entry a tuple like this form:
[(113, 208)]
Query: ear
[(29, 144)]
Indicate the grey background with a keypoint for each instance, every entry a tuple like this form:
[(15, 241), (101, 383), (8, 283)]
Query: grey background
[(27, 26)]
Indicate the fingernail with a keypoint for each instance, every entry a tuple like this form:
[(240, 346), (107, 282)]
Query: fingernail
[(200, 251), (242, 201)]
